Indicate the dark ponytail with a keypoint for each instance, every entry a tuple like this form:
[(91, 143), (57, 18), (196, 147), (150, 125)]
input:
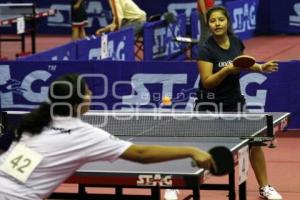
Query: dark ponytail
[(65, 94), (34, 122)]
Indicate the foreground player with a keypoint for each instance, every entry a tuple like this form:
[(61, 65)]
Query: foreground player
[(52, 142), (219, 88)]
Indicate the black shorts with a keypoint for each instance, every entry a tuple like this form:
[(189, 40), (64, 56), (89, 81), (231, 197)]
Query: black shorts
[(79, 16)]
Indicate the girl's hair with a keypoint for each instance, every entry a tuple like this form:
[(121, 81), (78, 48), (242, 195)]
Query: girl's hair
[(64, 94), (225, 13)]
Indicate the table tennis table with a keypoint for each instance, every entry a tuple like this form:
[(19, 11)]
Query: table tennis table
[(235, 131), (11, 12)]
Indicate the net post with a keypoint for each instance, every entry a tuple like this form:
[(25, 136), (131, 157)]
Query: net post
[(270, 130)]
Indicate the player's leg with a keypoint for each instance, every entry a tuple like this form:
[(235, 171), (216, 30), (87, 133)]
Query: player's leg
[(75, 33), (82, 33), (258, 162)]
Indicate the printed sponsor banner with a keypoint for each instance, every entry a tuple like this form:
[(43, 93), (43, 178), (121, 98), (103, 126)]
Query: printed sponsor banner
[(142, 85), (243, 16), (159, 38), (120, 46), (63, 52), (285, 18), (23, 85)]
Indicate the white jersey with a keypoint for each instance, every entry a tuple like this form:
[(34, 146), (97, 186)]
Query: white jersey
[(65, 145)]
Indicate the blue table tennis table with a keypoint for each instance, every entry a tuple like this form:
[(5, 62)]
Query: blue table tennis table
[(235, 131), (174, 174)]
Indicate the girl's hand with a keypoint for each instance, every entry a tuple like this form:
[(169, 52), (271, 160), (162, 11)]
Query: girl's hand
[(232, 69), (204, 160), (269, 67)]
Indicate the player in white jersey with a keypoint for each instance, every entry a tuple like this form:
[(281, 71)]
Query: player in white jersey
[(52, 142)]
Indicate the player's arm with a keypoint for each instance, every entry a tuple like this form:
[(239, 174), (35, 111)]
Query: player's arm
[(267, 67), (210, 79), (105, 29), (203, 8), (155, 153), (77, 4), (116, 22), (117, 13)]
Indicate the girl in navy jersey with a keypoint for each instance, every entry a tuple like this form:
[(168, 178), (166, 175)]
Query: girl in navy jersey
[(219, 87)]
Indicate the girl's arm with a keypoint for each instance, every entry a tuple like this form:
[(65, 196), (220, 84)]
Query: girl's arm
[(267, 67), (117, 12), (210, 79), (155, 153)]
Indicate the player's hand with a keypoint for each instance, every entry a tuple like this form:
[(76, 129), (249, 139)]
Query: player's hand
[(112, 27), (204, 160), (108, 28), (232, 69), (269, 67), (102, 30)]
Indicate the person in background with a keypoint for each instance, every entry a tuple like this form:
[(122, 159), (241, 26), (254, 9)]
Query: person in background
[(52, 142), (125, 14), (219, 87), (203, 6), (79, 19)]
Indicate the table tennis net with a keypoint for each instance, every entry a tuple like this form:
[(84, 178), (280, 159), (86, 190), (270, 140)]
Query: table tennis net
[(179, 124)]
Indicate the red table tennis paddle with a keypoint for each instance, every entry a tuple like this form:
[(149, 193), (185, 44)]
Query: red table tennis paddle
[(244, 61), (223, 159)]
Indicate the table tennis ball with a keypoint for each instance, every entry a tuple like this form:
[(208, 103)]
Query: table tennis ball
[(166, 101)]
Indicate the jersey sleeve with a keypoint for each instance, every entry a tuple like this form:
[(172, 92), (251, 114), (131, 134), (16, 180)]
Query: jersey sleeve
[(104, 146), (204, 54)]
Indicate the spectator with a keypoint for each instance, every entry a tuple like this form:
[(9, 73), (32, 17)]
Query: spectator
[(79, 19), (125, 14)]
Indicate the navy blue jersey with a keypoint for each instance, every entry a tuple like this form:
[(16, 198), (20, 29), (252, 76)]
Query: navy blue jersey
[(228, 91)]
